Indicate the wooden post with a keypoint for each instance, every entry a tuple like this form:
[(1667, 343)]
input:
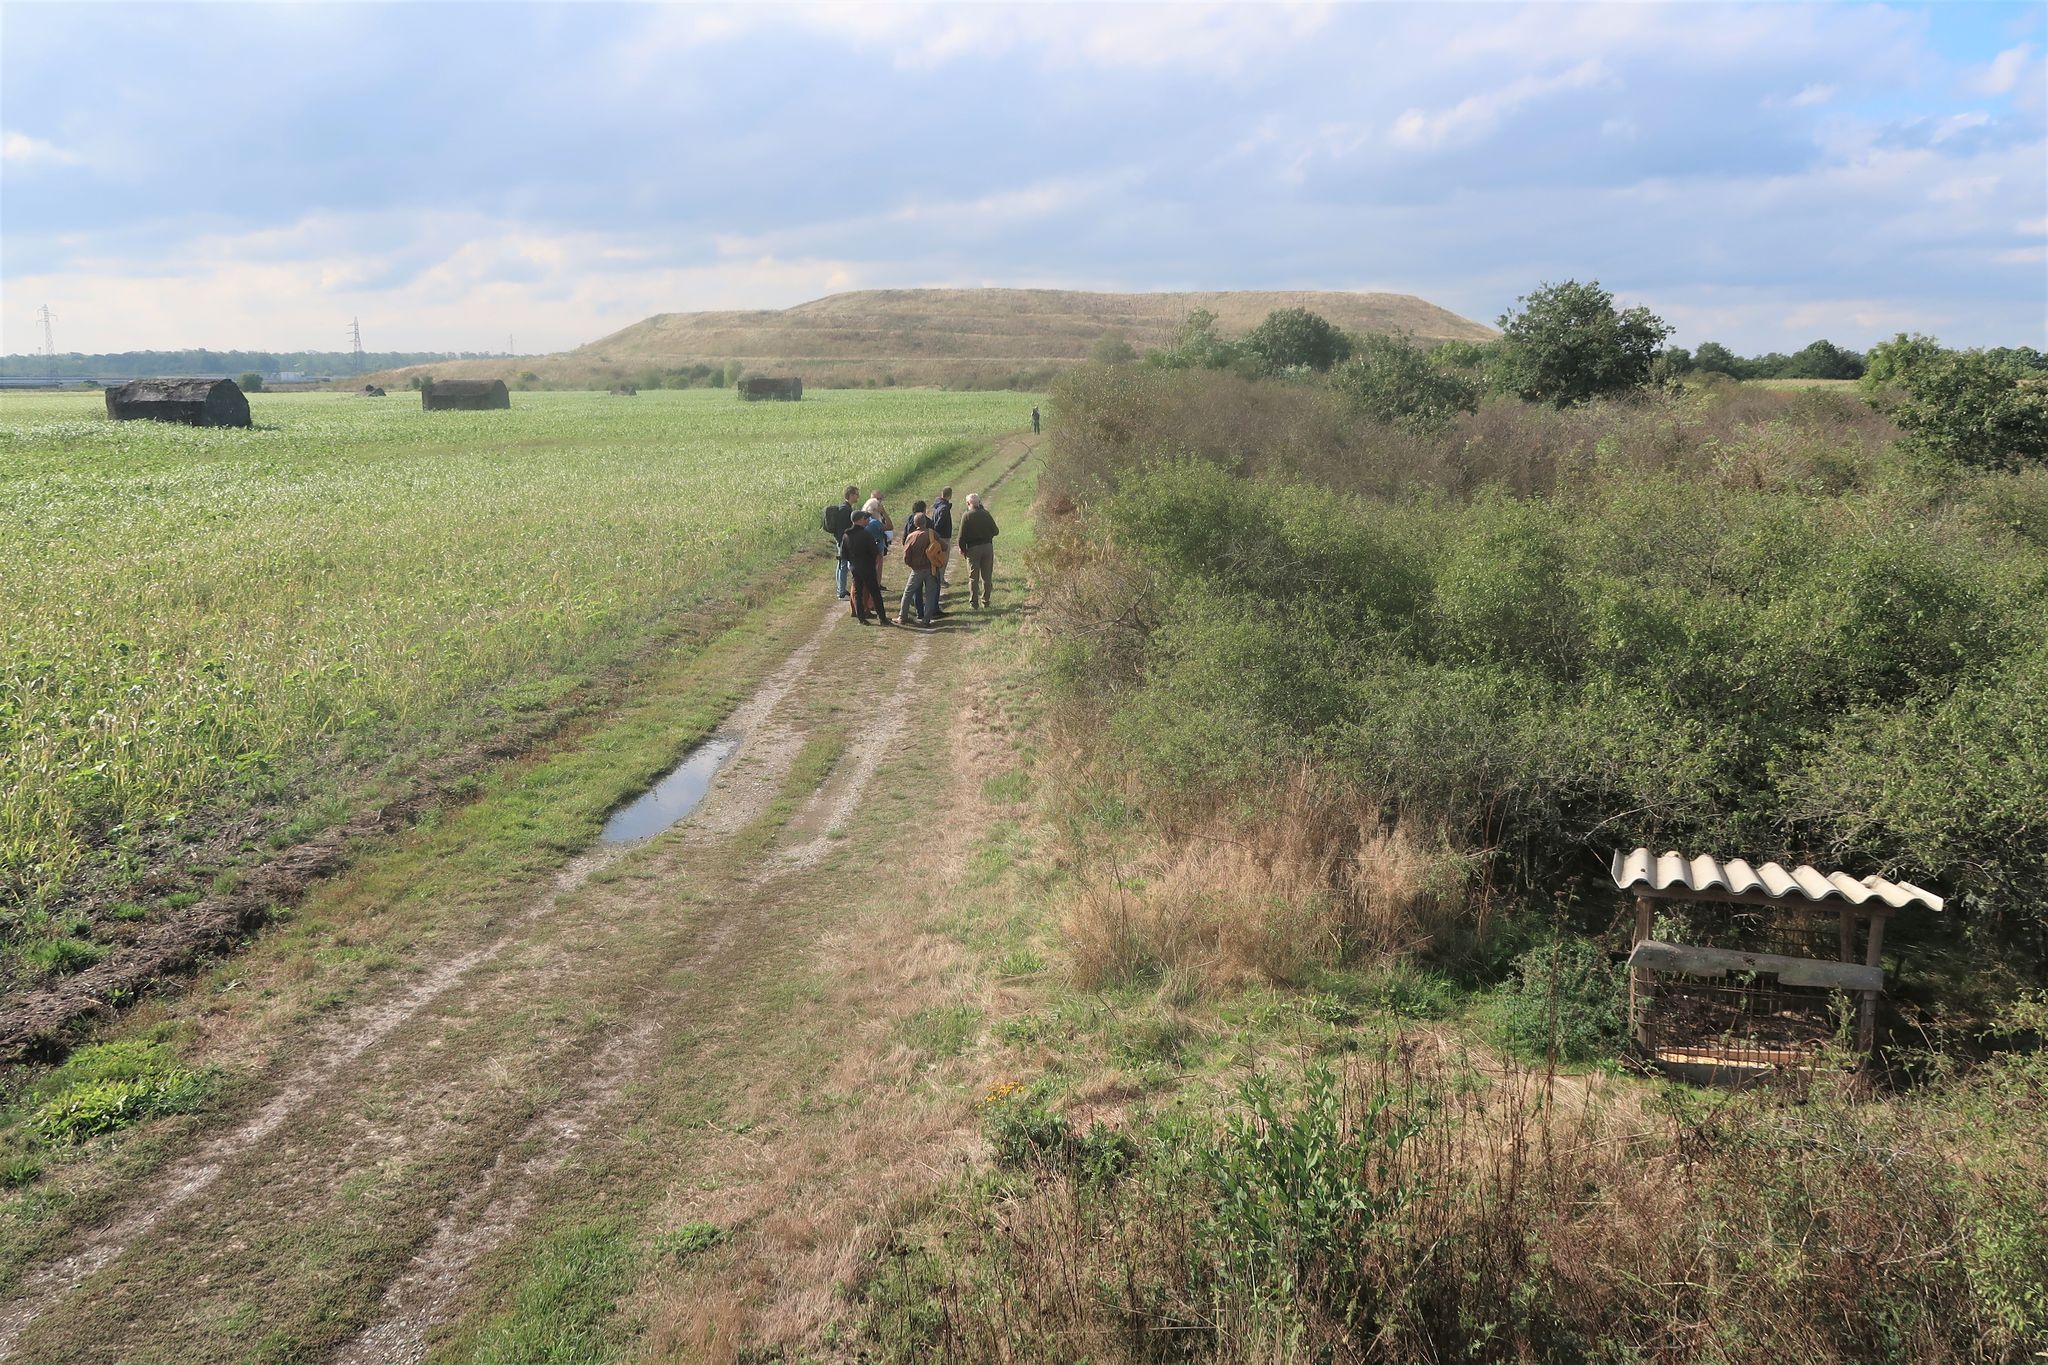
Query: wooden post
[(1866, 1012), (1637, 1027)]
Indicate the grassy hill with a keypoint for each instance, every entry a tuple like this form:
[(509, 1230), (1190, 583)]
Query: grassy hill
[(960, 338)]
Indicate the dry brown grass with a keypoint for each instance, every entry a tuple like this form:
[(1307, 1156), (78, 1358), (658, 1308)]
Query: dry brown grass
[(1319, 880)]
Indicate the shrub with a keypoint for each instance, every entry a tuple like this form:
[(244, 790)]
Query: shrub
[(1389, 380), (1295, 338), (1022, 1132), (1564, 1000), (1976, 410), (251, 382), (88, 1109), (61, 956), (1112, 349), (1568, 343)]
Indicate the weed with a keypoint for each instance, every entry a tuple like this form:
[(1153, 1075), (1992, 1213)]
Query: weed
[(62, 955), (690, 1240), (91, 1108), (1565, 1001), (940, 1031)]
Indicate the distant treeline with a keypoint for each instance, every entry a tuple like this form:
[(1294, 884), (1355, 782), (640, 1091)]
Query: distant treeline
[(203, 361)]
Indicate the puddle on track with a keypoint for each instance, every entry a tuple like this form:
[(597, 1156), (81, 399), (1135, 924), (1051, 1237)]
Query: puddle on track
[(672, 798)]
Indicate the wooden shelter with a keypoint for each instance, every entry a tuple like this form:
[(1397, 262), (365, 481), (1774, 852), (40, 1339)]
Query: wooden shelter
[(757, 387), (1738, 971), (464, 395), (194, 402)]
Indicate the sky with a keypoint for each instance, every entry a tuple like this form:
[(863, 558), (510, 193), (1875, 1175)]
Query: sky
[(468, 177)]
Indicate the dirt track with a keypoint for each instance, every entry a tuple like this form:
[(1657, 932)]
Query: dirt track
[(422, 1128)]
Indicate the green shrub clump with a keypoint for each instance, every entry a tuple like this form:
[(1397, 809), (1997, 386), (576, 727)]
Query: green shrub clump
[(1564, 999), (110, 1086)]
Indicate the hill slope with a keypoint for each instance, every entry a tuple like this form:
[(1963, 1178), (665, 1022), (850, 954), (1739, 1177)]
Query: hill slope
[(962, 338)]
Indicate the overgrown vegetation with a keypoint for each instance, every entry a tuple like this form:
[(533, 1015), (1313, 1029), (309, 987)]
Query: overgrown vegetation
[(1733, 620), (1356, 683), (1417, 1206)]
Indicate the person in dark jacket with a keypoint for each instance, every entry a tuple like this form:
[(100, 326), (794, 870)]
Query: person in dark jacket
[(978, 533), (862, 560), (1034, 421), (942, 526), (838, 519)]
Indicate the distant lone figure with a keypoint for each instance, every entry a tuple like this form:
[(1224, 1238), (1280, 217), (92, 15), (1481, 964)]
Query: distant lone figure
[(977, 541), (1034, 421)]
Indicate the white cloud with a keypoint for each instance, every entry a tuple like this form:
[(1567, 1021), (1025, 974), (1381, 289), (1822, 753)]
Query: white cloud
[(1219, 38), (1812, 95), (1473, 117), (1946, 128), (483, 279), (2002, 73), (25, 150)]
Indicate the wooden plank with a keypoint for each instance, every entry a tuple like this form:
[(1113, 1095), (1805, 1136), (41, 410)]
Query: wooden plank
[(1691, 960), (1637, 1027), (1866, 1009)]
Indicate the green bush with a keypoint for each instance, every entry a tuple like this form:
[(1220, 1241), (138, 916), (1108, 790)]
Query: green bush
[(1295, 338), (1390, 380), (1295, 1188), (1568, 343), (95, 1107), (1022, 1132), (1565, 999), (1976, 410)]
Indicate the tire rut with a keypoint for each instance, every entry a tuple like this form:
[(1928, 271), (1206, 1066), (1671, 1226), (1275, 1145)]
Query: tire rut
[(418, 1299)]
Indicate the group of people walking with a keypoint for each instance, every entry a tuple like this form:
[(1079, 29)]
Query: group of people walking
[(865, 533)]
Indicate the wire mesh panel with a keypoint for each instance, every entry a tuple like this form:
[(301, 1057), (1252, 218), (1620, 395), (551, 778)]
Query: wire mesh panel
[(1751, 1022)]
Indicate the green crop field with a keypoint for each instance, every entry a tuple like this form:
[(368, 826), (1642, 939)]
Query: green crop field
[(196, 621)]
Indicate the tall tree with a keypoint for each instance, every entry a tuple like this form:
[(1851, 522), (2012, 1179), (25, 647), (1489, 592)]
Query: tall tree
[(1569, 343), (1292, 338)]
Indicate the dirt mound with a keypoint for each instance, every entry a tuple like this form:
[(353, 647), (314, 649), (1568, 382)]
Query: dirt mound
[(960, 338)]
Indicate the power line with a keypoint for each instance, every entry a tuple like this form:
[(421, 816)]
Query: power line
[(49, 339)]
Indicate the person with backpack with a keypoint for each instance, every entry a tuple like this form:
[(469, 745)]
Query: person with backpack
[(863, 568), (942, 527), (920, 547), (837, 521), (977, 541)]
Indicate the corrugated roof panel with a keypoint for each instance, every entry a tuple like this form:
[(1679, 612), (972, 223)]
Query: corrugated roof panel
[(1663, 872)]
